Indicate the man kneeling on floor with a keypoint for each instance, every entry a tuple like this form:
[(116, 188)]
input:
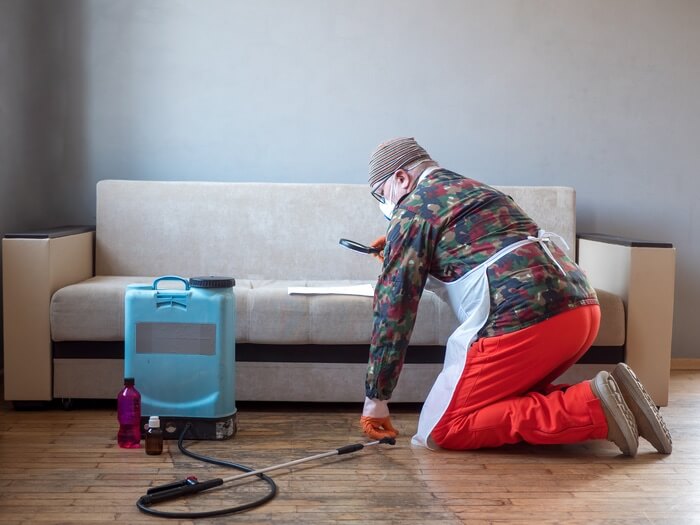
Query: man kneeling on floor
[(527, 314)]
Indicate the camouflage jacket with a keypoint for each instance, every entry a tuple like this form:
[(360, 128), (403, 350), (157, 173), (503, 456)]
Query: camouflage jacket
[(446, 226)]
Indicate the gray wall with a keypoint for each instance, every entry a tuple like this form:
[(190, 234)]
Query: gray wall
[(600, 95), (29, 124)]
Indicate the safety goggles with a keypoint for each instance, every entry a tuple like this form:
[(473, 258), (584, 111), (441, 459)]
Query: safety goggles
[(376, 192)]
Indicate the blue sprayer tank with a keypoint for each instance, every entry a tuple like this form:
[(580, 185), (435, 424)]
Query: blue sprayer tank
[(180, 348)]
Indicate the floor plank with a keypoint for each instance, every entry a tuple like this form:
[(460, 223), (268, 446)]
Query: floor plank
[(65, 467)]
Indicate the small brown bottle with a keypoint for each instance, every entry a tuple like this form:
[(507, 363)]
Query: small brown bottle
[(154, 437)]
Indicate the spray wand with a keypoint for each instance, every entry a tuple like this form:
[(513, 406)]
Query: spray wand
[(191, 485)]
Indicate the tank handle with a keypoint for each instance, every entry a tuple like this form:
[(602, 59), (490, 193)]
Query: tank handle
[(171, 278)]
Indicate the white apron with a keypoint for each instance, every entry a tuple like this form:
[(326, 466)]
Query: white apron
[(470, 299)]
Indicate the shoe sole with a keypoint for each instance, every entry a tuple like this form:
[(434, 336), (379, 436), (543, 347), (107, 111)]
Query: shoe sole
[(649, 421), (625, 436)]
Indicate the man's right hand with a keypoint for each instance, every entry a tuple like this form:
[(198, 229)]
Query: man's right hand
[(379, 242)]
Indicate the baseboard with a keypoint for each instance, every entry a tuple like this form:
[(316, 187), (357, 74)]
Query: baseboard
[(685, 363)]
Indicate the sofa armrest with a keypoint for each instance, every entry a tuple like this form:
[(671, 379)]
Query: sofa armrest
[(643, 274), (34, 265)]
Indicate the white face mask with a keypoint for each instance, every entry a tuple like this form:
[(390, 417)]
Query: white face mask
[(387, 207)]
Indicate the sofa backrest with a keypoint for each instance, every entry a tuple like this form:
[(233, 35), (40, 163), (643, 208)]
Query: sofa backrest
[(261, 230)]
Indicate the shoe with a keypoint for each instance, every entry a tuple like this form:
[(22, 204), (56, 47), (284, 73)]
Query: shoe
[(649, 421), (622, 428)]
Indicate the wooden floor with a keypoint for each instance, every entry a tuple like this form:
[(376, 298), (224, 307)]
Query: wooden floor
[(65, 467)]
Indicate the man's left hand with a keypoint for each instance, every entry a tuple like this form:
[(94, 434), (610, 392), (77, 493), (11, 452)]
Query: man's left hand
[(375, 420), (378, 428)]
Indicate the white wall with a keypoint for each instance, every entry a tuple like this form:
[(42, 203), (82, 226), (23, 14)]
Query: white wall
[(601, 95)]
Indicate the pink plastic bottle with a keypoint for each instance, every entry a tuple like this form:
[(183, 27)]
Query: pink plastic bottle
[(129, 415)]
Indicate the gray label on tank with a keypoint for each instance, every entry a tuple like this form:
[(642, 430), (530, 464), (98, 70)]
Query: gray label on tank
[(176, 338)]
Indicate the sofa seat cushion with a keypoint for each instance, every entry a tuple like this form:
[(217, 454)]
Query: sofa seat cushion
[(612, 320), (275, 317), (93, 310)]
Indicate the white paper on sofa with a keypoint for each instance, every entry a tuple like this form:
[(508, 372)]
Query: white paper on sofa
[(365, 290)]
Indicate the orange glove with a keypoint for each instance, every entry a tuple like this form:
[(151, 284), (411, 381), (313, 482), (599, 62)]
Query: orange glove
[(379, 242), (375, 420), (378, 427)]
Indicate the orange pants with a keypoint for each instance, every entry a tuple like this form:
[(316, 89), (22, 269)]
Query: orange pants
[(505, 393)]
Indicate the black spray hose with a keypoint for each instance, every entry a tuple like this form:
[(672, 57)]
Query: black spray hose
[(190, 485), (179, 489)]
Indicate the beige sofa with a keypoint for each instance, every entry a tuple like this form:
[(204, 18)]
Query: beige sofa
[(63, 290)]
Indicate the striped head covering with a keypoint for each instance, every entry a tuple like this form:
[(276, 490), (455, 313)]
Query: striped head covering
[(393, 155)]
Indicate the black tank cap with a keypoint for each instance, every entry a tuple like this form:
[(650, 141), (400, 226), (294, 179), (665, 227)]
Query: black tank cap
[(212, 281)]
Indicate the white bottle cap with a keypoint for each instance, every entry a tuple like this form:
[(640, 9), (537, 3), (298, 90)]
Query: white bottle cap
[(154, 422)]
